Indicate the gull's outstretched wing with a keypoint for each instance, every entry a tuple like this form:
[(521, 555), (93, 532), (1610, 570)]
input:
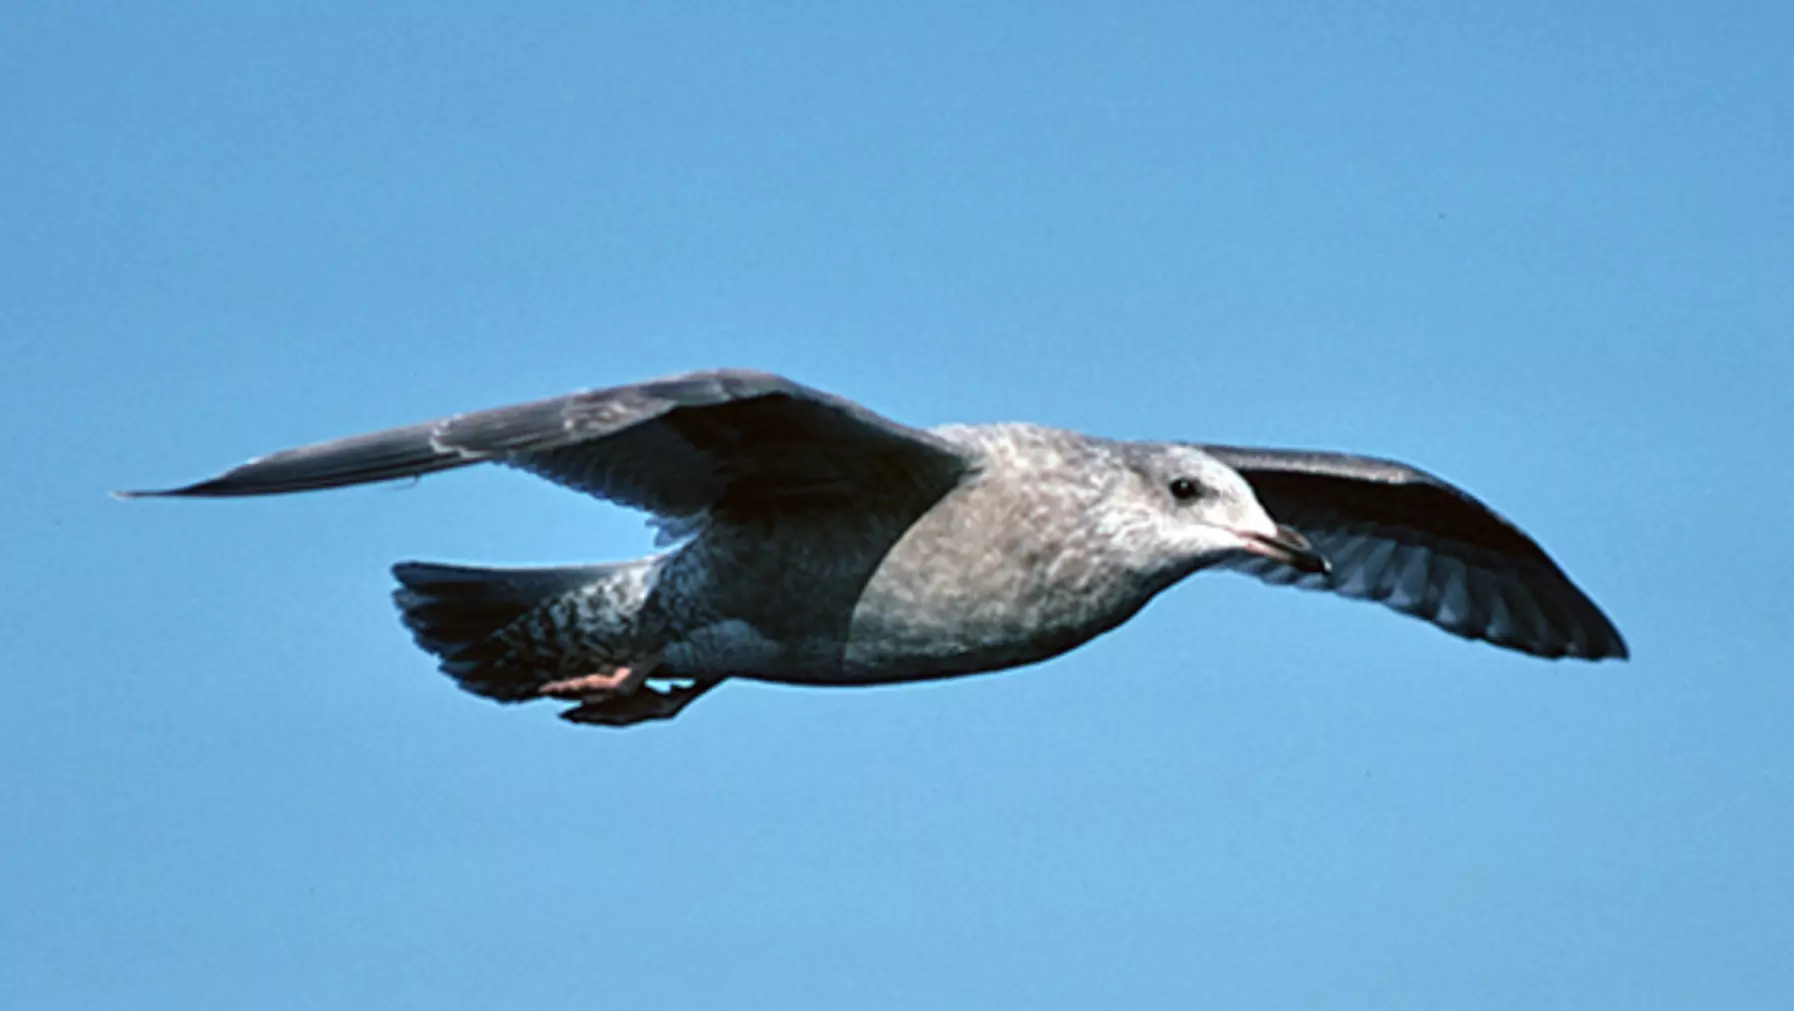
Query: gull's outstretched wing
[(1404, 538), (683, 447)]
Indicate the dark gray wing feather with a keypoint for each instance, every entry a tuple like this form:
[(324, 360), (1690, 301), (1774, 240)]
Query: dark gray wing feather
[(1407, 539), (680, 447)]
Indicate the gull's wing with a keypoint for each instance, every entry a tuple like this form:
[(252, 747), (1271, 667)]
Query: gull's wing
[(682, 447), (1405, 538)]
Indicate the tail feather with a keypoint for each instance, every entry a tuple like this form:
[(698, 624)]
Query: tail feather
[(456, 612)]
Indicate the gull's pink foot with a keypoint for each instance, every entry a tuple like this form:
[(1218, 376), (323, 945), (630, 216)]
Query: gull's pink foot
[(619, 680), (577, 688)]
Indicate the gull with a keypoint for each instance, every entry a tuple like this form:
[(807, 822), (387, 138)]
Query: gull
[(812, 541)]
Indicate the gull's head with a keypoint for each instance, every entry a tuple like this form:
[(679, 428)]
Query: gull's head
[(1180, 510)]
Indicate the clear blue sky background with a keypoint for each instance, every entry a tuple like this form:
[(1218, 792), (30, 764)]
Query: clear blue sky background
[(1542, 249)]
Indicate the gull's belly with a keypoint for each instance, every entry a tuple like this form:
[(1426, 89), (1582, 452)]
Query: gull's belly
[(964, 591), (998, 573)]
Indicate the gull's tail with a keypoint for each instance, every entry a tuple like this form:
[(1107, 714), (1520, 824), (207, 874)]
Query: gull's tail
[(502, 633)]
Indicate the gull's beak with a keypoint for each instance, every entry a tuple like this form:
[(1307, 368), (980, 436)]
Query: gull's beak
[(1288, 547)]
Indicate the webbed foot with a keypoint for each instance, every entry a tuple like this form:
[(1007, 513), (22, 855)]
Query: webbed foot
[(642, 705)]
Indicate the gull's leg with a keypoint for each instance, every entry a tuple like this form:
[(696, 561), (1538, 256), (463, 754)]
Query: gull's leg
[(644, 704)]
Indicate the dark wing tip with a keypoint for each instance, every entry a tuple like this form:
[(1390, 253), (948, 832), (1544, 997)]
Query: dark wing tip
[(189, 491), (201, 489), (230, 484), (1600, 638), (1589, 642), (361, 459), (1609, 645)]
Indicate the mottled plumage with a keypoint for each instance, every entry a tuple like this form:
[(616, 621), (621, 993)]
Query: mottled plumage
[(815, 542)]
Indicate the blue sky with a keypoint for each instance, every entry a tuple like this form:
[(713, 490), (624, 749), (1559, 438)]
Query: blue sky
[(1542, 250)]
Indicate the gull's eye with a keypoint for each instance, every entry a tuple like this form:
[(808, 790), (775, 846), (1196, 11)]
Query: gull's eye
[(1185, 490)]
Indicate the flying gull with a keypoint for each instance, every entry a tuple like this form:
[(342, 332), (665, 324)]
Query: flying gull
[(811, 541)]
